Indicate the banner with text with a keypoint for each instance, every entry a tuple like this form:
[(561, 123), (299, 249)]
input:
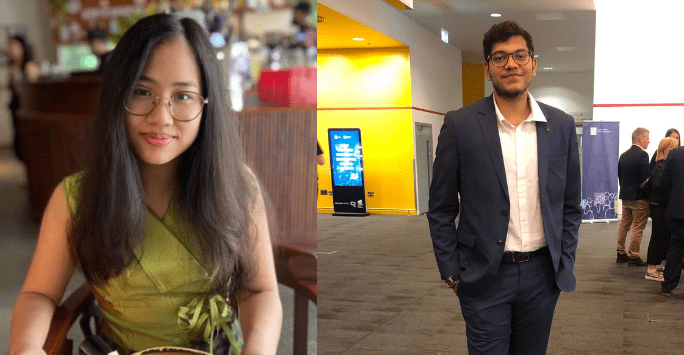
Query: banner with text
[(600, 141)]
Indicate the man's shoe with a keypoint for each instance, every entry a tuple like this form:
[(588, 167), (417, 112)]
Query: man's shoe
[(636, 262), (654, 276), (666, 294), (621, 258)]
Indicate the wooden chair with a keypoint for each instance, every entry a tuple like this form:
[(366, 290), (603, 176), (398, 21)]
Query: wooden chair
[(295, 268)]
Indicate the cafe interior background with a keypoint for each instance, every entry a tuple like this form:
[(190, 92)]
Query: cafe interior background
[(269, 63)]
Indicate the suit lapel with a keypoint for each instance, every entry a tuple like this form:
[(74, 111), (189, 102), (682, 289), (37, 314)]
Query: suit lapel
[(543, 136), (490, 131)]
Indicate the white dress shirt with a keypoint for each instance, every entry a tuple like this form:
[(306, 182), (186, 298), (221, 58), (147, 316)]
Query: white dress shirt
[(519, 148)]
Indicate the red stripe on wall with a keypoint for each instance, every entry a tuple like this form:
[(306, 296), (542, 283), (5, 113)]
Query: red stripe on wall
[(379, 108), (637, 105)]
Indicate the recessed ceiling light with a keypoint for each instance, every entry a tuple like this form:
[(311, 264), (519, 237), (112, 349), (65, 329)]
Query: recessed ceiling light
[(536, 55), (357, 39), (495, 15), (548, 68), (567, 49)]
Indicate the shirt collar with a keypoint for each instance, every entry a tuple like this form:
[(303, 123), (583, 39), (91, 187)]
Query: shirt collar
[(535, 115), (642, 148)]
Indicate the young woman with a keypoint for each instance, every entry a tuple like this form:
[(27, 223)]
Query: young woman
[(671, 133), (660, 234), (21, 68), (167, 223)]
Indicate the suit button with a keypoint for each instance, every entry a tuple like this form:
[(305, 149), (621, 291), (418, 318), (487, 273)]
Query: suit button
[(504, 213), (500, 242)]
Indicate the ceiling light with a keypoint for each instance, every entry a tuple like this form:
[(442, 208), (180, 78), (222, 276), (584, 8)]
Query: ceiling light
[(536, 55), (567, 49), (548, 68), (357, 39), (495, 15)]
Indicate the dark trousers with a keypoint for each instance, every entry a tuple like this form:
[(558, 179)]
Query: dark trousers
[(675, 256), (660, 236), (514, 316)]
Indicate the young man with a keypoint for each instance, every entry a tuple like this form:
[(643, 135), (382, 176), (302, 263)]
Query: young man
[(514, 163)]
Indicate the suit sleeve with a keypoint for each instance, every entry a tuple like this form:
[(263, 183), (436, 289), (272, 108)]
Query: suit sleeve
[(644, 168), (572, 210), (443, 203)]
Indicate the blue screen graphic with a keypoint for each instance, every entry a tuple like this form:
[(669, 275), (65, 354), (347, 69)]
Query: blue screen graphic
[(346, 154)]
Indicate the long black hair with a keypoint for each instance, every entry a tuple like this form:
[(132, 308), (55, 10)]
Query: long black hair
[(215, 191), (674, 130)]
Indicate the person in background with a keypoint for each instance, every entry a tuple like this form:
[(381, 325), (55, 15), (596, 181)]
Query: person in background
[(319, 154), (22, 68), (672, 178), (167, 222), (659, 198), (633, 171), (301, 15), (99, 45), (673, 133)]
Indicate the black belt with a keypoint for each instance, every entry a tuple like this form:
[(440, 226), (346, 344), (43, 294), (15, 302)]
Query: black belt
[(511, 257)]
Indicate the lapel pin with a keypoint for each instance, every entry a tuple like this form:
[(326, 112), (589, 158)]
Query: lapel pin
[(548, 129)]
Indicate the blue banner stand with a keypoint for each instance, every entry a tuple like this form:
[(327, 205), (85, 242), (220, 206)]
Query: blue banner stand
[(600, 153)]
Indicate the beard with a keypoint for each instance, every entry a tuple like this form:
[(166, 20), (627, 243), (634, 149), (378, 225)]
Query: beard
[(508, 94)]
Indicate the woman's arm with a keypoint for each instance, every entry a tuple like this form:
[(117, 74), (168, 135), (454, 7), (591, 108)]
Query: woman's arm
[(261, 313), (47, 278), (32, 71)]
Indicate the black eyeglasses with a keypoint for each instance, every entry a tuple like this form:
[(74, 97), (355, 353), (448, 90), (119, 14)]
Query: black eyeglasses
[(499, 59), (184, 106)]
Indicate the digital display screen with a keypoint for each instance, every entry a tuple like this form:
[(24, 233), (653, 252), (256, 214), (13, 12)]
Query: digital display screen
[(345, 152)]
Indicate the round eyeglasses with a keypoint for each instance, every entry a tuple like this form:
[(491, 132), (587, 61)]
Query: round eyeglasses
[(500, 59), (183, 106)]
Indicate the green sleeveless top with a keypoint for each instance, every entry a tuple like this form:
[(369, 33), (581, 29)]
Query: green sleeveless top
[(163, 297)]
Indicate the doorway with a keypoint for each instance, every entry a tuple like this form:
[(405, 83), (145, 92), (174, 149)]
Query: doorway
[(423, 165)]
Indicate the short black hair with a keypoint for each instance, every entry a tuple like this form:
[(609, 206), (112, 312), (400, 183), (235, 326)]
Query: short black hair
[(96, 33), (502, 32), (304, 6)]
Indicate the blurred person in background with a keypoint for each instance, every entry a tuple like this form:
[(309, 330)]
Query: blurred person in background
[(99, 45), (672, 133), (22, 68), (672, 178), (301, 16), (659, 198)]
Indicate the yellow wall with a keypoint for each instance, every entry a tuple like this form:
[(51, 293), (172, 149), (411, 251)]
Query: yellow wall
[(473, 83), (363, 79)]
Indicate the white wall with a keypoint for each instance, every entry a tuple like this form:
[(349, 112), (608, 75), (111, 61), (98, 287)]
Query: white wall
[(570, 92), (653, 79)]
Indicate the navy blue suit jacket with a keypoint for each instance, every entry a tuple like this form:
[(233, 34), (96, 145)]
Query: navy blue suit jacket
[(633, 170), (469, 162)]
